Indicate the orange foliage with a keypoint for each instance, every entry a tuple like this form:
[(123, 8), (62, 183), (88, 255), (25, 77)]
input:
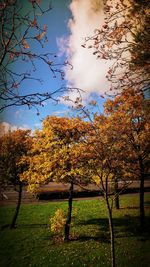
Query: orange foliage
[(56, 152), (13, 146)]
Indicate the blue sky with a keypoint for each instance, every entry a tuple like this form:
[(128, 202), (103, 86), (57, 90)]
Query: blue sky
[(69, 23), (57, 21)]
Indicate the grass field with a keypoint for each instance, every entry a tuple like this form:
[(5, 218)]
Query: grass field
[(31, 243)]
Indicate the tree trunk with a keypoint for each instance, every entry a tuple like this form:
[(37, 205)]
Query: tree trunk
[(142, 212), (17, 207), (111, 230), (68, 221), (117, 206)]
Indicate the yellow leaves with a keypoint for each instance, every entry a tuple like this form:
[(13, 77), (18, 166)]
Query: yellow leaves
[(102, 177), (32, 188), (65, 129), (56, 151), (57, 222), (71, 149), (13, 147), (96, 179)]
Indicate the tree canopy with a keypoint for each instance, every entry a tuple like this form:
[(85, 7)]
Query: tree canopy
[(55, 152), (13, 146), (124, 41)]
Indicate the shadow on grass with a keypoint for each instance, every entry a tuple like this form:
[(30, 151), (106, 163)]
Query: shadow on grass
[(34, 225), (103, 238), (124, 227), (129, 208), (24, 226), (127, 226)]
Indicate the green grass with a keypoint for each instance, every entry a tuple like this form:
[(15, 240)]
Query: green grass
[(31, 243)]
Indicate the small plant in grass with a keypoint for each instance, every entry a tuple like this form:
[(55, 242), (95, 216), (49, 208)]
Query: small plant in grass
[(57, 224)]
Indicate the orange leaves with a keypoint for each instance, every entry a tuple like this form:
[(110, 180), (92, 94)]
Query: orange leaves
[(33, 23), (40, 36), (117, 33), (69, 149), (14, 145), (128, 120), (25, 44), (65, 128), (56, 152), (93, 103), (119, 136)]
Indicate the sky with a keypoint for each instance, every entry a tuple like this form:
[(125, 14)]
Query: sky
[(69, 23)]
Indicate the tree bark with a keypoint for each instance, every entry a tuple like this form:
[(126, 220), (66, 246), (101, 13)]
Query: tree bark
[(13, 224), (111, 230), (68, 221), (142, 212), (117, 204)]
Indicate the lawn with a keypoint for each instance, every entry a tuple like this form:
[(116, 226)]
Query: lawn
[(31, 243)]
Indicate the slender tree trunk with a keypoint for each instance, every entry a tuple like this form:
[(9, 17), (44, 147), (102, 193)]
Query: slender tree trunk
[(117, 206), (17, 207), (111, 230), (142, 212), (68, 221)]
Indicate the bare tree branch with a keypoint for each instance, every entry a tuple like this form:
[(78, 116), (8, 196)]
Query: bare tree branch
[(21, 33)]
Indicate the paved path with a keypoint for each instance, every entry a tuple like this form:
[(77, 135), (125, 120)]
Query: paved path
[(10, 196)]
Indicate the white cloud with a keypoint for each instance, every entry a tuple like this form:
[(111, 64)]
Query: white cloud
[(18, 114), (38, 125), (5, 127), (88, 73), (60, 112)]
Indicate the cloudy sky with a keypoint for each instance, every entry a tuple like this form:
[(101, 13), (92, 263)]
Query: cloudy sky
[(69, 23)]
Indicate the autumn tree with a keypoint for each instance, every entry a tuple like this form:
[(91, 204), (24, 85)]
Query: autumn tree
[(55, 157), (22, 41), (124, 42), (98, 153), (140, 54), (128, 114), (13, 146), (113, 146)]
